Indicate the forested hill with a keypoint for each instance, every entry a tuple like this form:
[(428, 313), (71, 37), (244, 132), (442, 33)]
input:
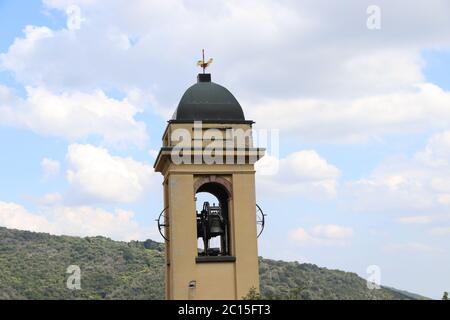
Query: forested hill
[(33, 266)]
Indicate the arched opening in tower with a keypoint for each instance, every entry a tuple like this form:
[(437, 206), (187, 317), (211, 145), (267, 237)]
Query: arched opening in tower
[(212, 220)]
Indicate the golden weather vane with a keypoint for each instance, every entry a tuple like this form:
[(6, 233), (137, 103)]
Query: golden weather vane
[(202, 63)]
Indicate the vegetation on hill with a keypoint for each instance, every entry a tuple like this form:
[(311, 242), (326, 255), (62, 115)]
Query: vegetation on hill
[(34, 265), (293, 280)]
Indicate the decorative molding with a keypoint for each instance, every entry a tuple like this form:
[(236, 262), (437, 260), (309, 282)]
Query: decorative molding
[(214, 179)]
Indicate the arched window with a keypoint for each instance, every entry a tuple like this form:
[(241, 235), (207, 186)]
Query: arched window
[(213, 219)]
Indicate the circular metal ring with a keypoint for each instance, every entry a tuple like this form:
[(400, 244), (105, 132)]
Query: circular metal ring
[(161, 225), (260, 219)]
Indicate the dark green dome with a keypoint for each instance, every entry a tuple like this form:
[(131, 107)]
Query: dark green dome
[(208, 101)]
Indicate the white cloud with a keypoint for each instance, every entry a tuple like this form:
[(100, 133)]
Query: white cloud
[(415, 220), (365, 89), (63, 4), (115, 46), (73, 115), (437, 151), (420, 183), (95, 174), (123, 35), (50, 199), (15, 216), (22, 50), (412, 247), (440, 231), (50, 168), (95, 221), (323, 235), (332, 231), (76, 221), (300, 173), (358, 120)]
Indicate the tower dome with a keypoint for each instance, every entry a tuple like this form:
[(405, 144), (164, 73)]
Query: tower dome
[(208, 101)]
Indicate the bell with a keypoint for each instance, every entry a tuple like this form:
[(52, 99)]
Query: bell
[(215, 225)]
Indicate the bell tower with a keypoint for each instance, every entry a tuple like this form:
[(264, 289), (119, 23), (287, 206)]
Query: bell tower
[(211, 248)]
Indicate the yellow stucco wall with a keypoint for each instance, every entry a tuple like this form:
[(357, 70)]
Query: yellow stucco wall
[(215, 281)]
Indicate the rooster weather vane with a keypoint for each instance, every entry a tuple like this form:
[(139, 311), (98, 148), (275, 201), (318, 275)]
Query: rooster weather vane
[(202, 64)]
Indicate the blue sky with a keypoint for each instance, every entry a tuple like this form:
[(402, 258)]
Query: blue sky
[(86, 88)]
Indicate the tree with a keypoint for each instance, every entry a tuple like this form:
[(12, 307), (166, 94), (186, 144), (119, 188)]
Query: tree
[(445, 296), (253, 294)]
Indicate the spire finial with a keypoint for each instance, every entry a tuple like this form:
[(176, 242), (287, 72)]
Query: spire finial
[(202, 63)]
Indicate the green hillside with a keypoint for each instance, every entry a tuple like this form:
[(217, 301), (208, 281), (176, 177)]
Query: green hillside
[(33, 266)]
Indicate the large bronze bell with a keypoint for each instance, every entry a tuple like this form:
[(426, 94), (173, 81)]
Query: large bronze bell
[(215, 225)]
